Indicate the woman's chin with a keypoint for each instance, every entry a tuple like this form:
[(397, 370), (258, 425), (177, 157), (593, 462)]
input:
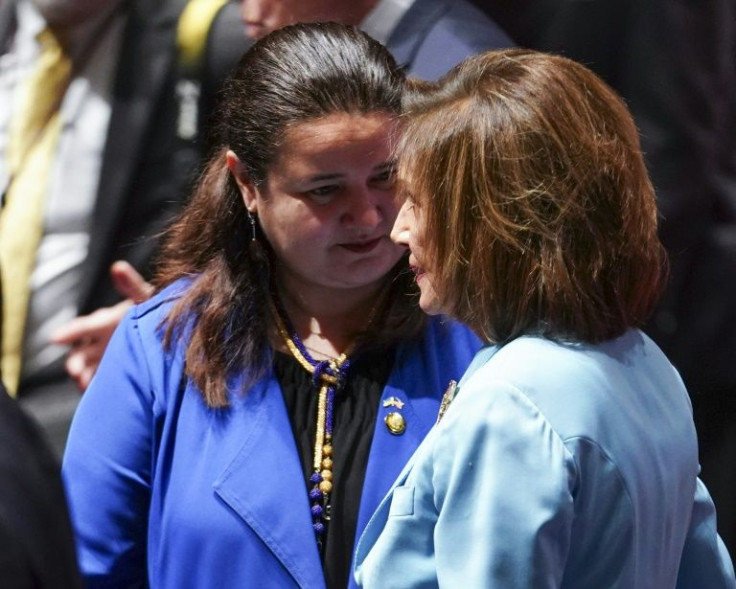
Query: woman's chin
[(429, 305)]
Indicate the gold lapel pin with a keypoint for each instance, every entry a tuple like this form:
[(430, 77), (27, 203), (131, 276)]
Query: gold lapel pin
[(393, 402), (395, 423), (447, 399)]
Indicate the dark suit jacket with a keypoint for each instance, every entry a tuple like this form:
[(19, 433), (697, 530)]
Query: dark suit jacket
[(147, 171), (36, 545), (435, 35)]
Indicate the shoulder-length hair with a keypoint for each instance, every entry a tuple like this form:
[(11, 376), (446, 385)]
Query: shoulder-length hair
[(299, 73), (540, 216)]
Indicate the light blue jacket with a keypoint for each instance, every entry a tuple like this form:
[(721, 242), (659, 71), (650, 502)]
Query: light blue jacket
[(555, 466), (166, 492)]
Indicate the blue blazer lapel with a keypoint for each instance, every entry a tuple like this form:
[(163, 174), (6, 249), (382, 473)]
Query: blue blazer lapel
[(389, 453), (262, 485), (420, 378), (422, 372), (420, 382), (375, 525)]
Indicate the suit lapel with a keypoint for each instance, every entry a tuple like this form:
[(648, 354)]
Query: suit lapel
[(260, 482), (7, 25), (145, 64), (415, 382), (377, 522), (383, 475), (408, 35), (389, 453)]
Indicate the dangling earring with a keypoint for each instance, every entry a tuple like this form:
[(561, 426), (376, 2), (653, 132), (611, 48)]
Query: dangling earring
[(252, 220)]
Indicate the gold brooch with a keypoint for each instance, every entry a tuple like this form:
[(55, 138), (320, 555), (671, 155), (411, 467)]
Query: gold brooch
[(395, 423), (447, 399)]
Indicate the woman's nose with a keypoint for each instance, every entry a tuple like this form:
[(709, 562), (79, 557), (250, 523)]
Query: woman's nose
[(400, 231), (364, 210)]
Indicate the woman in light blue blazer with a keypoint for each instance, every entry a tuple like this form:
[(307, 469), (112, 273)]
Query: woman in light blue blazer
[(245, 422), (568, 457)]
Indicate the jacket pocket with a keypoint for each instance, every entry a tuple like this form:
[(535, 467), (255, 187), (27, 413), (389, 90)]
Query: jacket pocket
[(402, 502)]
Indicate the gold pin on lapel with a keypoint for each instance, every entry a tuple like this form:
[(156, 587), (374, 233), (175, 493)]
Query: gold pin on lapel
[(447, 399), (395, 423), (393, 402)]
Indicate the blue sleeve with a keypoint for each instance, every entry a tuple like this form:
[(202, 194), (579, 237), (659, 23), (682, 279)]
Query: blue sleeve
[(502, 480), (108, 461), (705, 561)]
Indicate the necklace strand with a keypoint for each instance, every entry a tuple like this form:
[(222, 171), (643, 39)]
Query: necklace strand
[(329, 376)]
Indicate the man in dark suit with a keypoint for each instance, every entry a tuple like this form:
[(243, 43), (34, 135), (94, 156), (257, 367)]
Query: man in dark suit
[(674, 62), (150, 144), (432, 36), (428, 37)]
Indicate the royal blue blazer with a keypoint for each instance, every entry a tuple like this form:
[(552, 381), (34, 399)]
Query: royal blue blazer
[(168, 493), (556, 465)]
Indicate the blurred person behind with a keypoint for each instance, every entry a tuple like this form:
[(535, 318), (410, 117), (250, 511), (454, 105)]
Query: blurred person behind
[(125, 152), (674, 62), (36, 543), (427, 37)]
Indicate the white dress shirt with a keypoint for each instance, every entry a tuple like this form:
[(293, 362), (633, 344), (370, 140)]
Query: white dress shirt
[(72, 189)]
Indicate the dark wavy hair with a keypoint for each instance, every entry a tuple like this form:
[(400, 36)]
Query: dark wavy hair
[(295, 74), (540, 216)]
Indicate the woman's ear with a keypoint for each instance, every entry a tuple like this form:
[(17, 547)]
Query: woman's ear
[(247, 188)]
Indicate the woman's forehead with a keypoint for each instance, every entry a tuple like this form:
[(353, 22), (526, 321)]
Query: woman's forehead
[(338, 136)]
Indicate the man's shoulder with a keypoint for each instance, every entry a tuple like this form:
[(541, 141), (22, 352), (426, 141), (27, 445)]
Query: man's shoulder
[(442, 33)]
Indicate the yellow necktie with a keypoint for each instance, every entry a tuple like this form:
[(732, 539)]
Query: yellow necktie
[(34, 134)]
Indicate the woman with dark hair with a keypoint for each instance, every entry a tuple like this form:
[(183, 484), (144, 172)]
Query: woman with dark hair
[(568, 457), (245, 422)]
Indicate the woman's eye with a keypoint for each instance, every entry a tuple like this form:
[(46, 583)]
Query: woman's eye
[(386, 178), (322, 194), (408, 199)]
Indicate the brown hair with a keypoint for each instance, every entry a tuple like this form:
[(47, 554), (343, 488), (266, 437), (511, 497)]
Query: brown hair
[(540, 216), (295, 74)]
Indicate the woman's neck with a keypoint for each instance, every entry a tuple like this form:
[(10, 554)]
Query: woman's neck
[(327, 320)]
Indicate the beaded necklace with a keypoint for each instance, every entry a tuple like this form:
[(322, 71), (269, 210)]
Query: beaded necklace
[(329, 376)]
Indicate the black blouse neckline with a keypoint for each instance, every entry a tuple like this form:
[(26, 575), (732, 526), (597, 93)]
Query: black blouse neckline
[(355, 411)]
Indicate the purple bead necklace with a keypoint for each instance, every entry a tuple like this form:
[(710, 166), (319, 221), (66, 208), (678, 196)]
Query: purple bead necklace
[(329, 376)]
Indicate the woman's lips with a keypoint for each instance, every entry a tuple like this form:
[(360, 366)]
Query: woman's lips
[(418, 272), (362, 247)]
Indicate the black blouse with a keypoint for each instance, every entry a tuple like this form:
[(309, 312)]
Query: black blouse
[(354, 416)]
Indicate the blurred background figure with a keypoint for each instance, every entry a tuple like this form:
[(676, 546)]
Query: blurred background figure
[(36, 544), (674, 62), (103, 102), (427, 37)]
